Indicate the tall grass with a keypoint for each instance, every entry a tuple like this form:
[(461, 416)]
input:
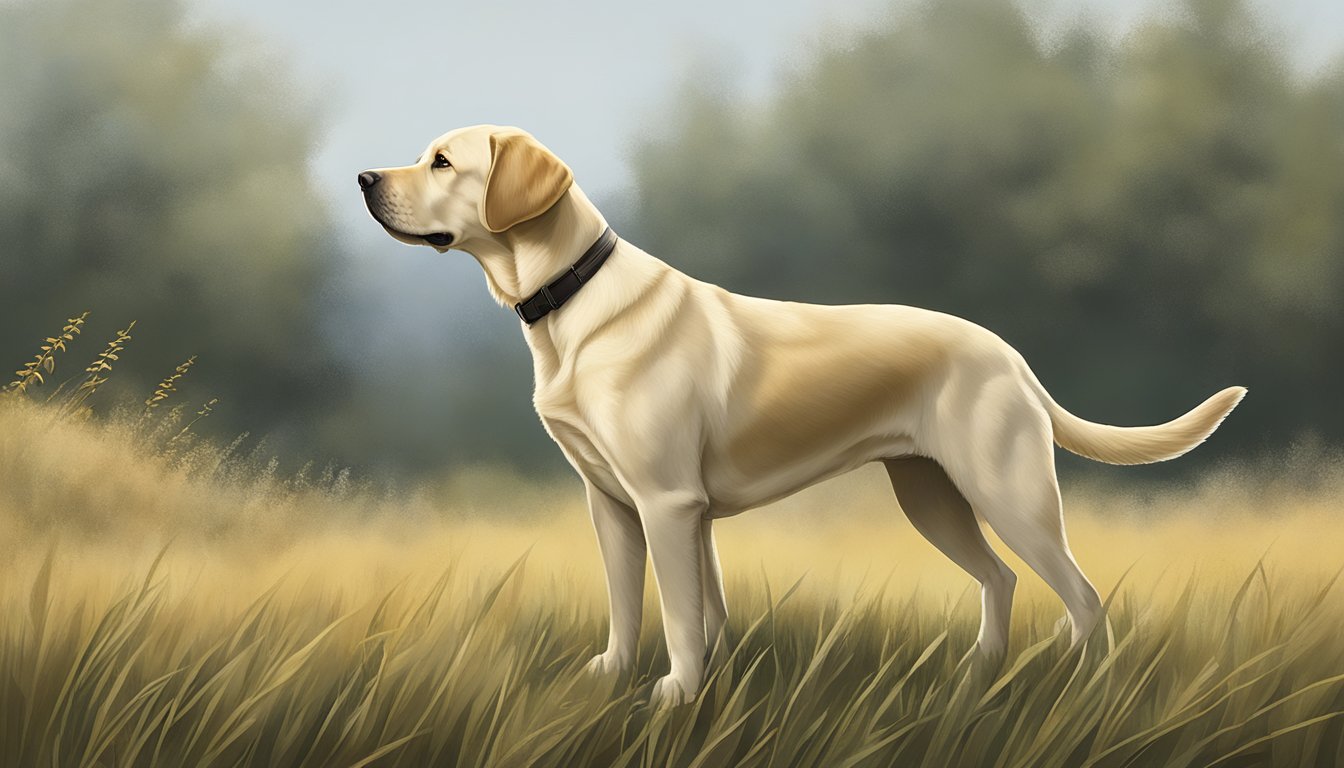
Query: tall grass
[(43, 364), (185, 605), (484, 671)]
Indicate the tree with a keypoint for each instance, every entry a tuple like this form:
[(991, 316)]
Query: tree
[(147, 173)]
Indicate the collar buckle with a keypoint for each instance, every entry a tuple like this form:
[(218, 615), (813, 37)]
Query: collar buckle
[(546, 294)]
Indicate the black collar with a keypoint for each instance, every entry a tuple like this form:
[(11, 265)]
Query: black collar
[(555, 293)]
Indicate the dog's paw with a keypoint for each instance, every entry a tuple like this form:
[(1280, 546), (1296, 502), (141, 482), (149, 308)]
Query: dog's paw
[(670, 692), (605, 664)]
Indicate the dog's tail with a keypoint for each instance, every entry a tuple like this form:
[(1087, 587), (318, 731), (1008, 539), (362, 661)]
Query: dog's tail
[(1139, 445)]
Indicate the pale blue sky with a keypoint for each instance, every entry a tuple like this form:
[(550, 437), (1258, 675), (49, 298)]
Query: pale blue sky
[(583, 75)]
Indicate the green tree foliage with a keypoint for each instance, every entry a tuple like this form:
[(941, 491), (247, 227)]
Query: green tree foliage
[(1147, 219), (146, 173)]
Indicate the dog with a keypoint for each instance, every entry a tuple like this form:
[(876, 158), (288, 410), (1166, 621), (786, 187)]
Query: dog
[(679, 403)]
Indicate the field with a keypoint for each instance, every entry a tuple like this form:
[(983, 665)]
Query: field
[(186, 606)]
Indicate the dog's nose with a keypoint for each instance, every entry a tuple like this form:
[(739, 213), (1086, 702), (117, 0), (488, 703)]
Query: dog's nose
[(367, 179)]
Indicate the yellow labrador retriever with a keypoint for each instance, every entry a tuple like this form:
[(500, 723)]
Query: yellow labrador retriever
[(679, 402)]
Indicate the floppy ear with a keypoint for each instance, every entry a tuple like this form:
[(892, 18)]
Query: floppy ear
[(524, 181)]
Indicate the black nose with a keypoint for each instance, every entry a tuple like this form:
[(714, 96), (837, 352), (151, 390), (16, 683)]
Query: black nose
[(367, 179)]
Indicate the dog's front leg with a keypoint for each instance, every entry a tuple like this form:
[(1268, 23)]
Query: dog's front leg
[(672, 529), (716, 604), (621, 540)]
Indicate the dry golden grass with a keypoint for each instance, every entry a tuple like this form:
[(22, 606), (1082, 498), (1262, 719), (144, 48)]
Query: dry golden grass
[(43, 364), (306, 620)]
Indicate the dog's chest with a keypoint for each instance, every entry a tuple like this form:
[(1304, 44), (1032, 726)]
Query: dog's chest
[(559, 402), (567, 428)]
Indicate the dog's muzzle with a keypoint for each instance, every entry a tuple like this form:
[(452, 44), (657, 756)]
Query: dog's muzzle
[(368, 181)]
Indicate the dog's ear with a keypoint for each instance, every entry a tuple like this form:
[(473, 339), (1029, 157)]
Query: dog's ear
[(524, 181)]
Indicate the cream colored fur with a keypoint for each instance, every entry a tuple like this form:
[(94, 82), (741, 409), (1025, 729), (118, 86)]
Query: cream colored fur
[(679, 402)]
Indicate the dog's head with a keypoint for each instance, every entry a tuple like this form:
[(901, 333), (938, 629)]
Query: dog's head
[(468, 184)]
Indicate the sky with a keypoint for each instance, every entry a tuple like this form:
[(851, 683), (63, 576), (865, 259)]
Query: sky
[(585, 76)]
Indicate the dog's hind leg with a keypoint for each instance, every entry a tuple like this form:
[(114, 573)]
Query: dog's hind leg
[(716, 604), (1012, 485), (941, 514)]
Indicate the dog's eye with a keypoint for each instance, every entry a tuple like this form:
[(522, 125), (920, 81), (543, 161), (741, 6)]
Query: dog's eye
[(441, 162)]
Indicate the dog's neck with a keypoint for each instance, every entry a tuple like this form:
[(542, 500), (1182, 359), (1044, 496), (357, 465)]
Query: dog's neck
[(519, 261)]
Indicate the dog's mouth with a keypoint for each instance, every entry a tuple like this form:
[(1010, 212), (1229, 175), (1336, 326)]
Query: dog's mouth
[(437, 239)]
